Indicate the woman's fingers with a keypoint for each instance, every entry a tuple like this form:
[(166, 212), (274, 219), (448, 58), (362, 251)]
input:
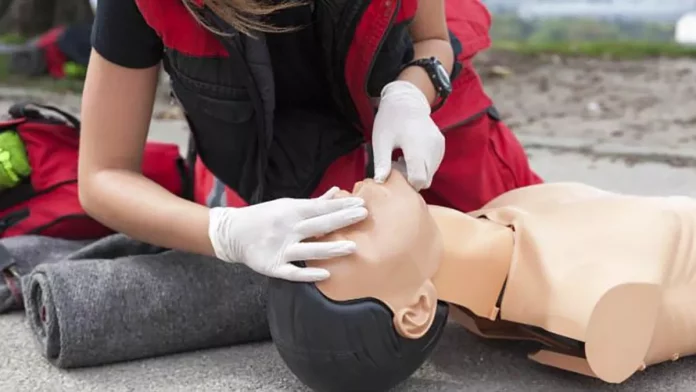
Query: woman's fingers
[(328, 195), (325, 224), (319, 250), (298, 274), (310, 208)]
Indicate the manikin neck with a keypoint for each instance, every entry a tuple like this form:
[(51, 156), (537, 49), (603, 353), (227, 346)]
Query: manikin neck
[(476, 261)]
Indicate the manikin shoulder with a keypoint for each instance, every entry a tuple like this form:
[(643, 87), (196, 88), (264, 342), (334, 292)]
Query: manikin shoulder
[(533, 197)]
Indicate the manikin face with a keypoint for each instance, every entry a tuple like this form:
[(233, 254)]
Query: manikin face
[(399, 249)]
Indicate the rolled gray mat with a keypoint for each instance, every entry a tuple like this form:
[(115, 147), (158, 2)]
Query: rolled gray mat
[(19, 255), (100, 311)]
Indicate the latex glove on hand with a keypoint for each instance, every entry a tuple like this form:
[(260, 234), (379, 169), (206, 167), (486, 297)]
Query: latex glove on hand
[(403, 121), (267, 237)]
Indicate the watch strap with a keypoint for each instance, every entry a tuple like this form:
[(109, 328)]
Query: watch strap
[(429, 64)]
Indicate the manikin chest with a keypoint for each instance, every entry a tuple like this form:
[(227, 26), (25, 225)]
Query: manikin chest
[(604, 281)]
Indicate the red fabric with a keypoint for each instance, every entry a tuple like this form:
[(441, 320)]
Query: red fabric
[(55, 59), (343, 172), (366, 40), (160, 164), (468, 20), (53, 204), (178, 29), (483, 160), (407, 11), (204, 181), (483, 157)]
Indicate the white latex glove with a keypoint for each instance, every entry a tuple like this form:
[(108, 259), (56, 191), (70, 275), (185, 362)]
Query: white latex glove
[(403, 121), (267, 237)]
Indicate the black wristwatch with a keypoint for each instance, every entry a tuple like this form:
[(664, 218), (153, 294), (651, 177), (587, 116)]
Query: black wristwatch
[(438, 76)]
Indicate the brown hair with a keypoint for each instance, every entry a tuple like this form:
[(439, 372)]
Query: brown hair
[(245, 16)]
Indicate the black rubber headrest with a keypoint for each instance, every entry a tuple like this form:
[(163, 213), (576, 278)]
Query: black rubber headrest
[(347, 346)]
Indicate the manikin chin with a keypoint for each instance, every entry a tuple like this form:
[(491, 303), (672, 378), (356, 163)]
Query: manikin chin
[(604, 281)]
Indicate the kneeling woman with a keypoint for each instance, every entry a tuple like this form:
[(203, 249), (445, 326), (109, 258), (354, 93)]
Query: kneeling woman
[(604, 281), (281, 99)]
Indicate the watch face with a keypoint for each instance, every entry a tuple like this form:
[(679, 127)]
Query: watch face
[(443, 78)]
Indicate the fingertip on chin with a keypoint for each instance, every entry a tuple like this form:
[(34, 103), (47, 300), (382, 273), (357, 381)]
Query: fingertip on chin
[(318, 277)]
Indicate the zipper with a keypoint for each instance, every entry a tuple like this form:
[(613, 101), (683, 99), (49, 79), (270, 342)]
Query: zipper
[(380, 44), (10, 199), (38, 230), (466, 121), (13, 218), (257, 195)]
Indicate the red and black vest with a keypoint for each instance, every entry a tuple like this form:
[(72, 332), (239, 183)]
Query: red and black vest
[(225, 85)]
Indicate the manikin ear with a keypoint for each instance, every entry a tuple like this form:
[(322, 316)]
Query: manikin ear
[(414, 321)]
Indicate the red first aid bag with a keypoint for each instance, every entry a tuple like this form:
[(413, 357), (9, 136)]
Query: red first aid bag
[(46, 202)]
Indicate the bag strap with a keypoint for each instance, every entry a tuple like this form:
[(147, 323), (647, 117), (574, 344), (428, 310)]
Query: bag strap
[(31, 110)]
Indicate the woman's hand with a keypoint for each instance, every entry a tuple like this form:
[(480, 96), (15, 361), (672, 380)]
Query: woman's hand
[(403, 118), (268, 237), (403, 121)]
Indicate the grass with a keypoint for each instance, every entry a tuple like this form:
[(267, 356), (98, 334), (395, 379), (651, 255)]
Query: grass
[(634, 50), (41, 83), (12, 39)]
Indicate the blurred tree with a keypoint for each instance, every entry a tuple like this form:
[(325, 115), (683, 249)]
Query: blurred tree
[(509, 28), (575, 30)]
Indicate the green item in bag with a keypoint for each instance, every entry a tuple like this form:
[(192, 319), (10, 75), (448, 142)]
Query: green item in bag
[(14, 164), (74, 70)]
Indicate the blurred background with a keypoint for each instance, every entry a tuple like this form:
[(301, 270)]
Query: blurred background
[(600, 91)]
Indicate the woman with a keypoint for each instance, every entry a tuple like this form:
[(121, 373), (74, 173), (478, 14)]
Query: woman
[(283, 111)]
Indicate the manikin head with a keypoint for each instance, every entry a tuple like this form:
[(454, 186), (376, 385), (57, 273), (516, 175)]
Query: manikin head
[(377, 318)]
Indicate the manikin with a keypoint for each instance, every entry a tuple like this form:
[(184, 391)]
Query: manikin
[(604, 281)]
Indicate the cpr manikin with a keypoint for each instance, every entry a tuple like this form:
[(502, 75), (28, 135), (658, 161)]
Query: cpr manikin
[(604, 281)]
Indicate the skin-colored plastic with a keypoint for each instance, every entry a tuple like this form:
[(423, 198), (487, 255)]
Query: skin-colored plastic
[(396, 269), (561, 264)]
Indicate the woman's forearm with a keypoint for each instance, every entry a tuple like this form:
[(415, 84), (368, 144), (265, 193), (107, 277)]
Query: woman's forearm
[(116, 111), (438, 48), (430, 37), (132, 204)]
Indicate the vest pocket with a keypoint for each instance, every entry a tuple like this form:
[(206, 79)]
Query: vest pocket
[(233, 111), (224, 129)]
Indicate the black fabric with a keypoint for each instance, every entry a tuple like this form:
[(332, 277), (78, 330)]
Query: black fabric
[(396, 50), (299, 80), (223, 122), (75, 42), (295, 169), (121, 35), (343, 347), (336, 22), (231, 133)]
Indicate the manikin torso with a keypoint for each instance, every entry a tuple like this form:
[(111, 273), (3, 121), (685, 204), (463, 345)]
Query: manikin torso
[(614, 272), (605, 281)]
